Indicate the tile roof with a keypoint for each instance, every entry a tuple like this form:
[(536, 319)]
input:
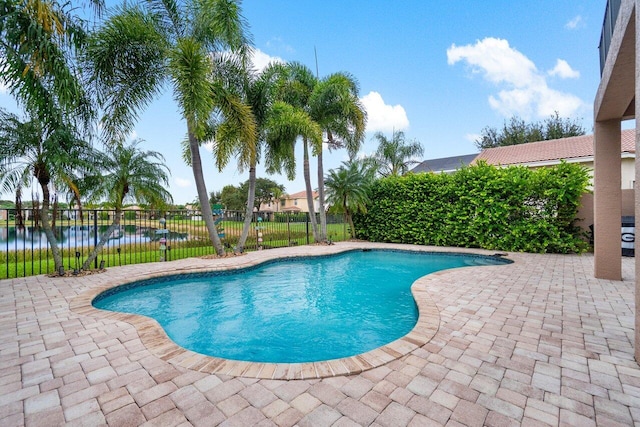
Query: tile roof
[(444, 164), (301, 195), (555, 149)]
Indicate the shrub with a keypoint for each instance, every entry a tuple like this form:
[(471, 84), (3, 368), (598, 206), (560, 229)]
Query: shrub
[(511, 209), (130, 215)]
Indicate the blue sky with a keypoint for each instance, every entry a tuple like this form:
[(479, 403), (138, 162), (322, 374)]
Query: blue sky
[(439, 71)]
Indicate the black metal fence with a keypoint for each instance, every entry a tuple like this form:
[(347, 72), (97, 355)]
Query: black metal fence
[(143, 236)]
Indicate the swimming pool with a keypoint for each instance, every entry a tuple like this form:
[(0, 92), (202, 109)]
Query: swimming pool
[(291, 310)]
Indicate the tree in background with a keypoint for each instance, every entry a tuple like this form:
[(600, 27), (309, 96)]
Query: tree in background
[(127, 174), (264, 191), (517, 131), (232, 198), (215, 197), (395, 156)]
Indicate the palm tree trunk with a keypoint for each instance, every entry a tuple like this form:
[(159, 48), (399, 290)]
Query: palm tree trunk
[(35, 211), (103, 240), (353, 228), (249, 209), (307, 181), (348, 217), (19, 216), (48, 231), (54, 215), (323, 213), (203, 196)]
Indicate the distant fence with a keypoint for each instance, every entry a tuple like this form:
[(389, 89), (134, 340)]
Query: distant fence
[(143, 236)]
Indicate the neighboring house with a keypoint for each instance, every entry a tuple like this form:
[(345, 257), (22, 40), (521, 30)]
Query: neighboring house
[(297, 202), (445, 164), (272, 206), (577, 149)]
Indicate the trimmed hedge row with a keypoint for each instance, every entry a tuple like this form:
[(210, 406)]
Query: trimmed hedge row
[(483, 206)]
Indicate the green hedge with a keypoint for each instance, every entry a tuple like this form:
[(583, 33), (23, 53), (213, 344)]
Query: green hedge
[(483, 206)]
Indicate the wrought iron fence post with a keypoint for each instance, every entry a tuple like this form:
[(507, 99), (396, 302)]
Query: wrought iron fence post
[(288, 228), (95, 235), (308, 219)]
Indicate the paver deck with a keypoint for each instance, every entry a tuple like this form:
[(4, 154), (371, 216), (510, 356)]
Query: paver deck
[(536, 342)]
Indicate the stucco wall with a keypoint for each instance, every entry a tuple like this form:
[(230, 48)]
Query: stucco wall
[(586, 210)]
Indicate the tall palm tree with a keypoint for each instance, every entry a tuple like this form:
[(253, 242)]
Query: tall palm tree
[(348, 189), (335, 106), (396, 155), (332, 102), (126, 173), (140, 48), (26, 148), (278, 126), (294, 86)]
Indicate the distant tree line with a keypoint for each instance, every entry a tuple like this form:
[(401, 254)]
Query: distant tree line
[(517, 131)]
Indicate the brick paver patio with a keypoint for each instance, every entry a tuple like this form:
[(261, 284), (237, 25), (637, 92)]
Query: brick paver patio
[(536, 342)]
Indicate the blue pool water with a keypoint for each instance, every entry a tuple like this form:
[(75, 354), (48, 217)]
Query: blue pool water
[(293, 310)]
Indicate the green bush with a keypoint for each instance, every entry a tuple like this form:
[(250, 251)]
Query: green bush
[(483, 206), (130, 215)]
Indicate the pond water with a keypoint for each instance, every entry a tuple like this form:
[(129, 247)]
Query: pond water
[(14, 238)]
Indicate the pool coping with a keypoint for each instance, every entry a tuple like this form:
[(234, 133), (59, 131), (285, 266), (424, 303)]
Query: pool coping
[(159, 344)]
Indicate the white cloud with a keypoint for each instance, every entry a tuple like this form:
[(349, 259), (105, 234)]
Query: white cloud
[(182, 183), (575, 23), (383, 117), (564, 70), (472, 137), (261, 60), (278, 44), (499, 62), (524, 90)]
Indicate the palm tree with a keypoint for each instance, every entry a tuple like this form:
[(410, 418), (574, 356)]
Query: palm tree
[(333, 104), (127, 174), (26, 148), (295, 84), (140, 48), (348, 189), (278, 126), (336, 107), (39, 41), (278, 194), (396, 155)]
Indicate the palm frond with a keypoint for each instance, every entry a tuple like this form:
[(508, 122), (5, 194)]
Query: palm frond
[(126, 61), (219, 25)]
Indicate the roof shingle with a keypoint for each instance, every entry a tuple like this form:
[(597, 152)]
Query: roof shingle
[(555, 149), (301, 195)]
